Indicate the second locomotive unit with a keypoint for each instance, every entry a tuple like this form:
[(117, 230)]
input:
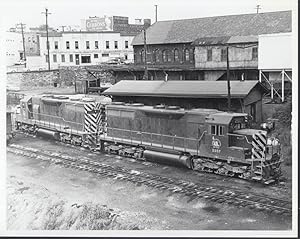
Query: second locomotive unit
[(200, 139)]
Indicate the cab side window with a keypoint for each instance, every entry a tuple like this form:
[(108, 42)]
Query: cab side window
[(217, 130), (213, 129)]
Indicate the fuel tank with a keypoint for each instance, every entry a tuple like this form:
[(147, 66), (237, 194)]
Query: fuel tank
[(168, 158), (48, 134)]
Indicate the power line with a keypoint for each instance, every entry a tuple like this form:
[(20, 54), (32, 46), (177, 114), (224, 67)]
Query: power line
[(46, 14), (23, 40)]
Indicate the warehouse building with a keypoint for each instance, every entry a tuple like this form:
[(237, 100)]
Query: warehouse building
[(246, 96)]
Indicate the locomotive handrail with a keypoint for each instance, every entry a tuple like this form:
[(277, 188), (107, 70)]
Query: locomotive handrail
[(141, 133), (58, 117)]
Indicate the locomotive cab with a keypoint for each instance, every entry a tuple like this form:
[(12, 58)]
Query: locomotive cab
[(221, 140)]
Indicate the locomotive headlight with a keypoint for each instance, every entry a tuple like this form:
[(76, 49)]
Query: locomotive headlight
[(273, 141)]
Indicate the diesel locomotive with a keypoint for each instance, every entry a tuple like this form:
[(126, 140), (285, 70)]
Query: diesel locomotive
[(200, 139)]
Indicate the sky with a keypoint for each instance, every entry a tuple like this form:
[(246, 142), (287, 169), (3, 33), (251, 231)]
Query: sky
[(69, 12)]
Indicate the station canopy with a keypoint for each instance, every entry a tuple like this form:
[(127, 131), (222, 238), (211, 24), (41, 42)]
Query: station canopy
[(182, 89)]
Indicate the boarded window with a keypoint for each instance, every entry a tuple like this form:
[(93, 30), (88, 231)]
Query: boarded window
[(254, 53), (209, 54), (223, 55)]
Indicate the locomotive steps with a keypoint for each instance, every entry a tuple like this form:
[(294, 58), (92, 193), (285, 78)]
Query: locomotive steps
[(191, 190)]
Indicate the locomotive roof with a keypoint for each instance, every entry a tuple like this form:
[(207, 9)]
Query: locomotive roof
[(78, 98), (223, 117), (182, 89)]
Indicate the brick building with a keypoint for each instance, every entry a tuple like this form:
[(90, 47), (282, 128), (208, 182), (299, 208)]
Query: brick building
[(173, 48)]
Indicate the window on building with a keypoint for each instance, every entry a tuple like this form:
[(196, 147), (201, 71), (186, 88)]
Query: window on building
[(28, 39), (56, 45), (126, 44), (85, 59), (68, 45), (142, 55), (186, 55), (107, 44), (96, 45), (47, 58), (71, 57), (54, 58), (116, 44), (223, 55), (76, 45), (95, 55), (105, 54), (87, 43), (176, 55), (209, 54), (156, 55), (126, 57), (192, 54), (63, 59), (165, 55), (254, 53)]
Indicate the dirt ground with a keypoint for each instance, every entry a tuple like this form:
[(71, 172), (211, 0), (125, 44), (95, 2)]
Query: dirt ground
[(48, 196)]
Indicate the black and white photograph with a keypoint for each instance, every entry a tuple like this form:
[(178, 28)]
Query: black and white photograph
[(149, 118)]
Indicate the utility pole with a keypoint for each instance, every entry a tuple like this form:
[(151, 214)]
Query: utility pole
[(46, 14), (257, 8), (155, 13), (23, 40), (145, 57), (228, 78), (63, 28)]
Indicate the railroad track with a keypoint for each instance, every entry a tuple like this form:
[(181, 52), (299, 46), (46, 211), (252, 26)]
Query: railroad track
[(191, 190)]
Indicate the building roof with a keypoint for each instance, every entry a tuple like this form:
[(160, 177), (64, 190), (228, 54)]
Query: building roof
[(225, 40), (188, 30), (181, 89)]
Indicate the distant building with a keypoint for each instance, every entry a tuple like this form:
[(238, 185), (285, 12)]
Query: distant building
[(114, 23), (85, 48), (13, 47)]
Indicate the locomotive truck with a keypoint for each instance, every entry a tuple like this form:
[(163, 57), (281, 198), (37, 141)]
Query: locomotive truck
[(200, 139)]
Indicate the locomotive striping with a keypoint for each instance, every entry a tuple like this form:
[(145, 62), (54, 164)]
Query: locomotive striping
[(153, 181)]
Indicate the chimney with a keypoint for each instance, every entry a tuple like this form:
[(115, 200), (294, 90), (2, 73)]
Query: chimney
[(147, 22)]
